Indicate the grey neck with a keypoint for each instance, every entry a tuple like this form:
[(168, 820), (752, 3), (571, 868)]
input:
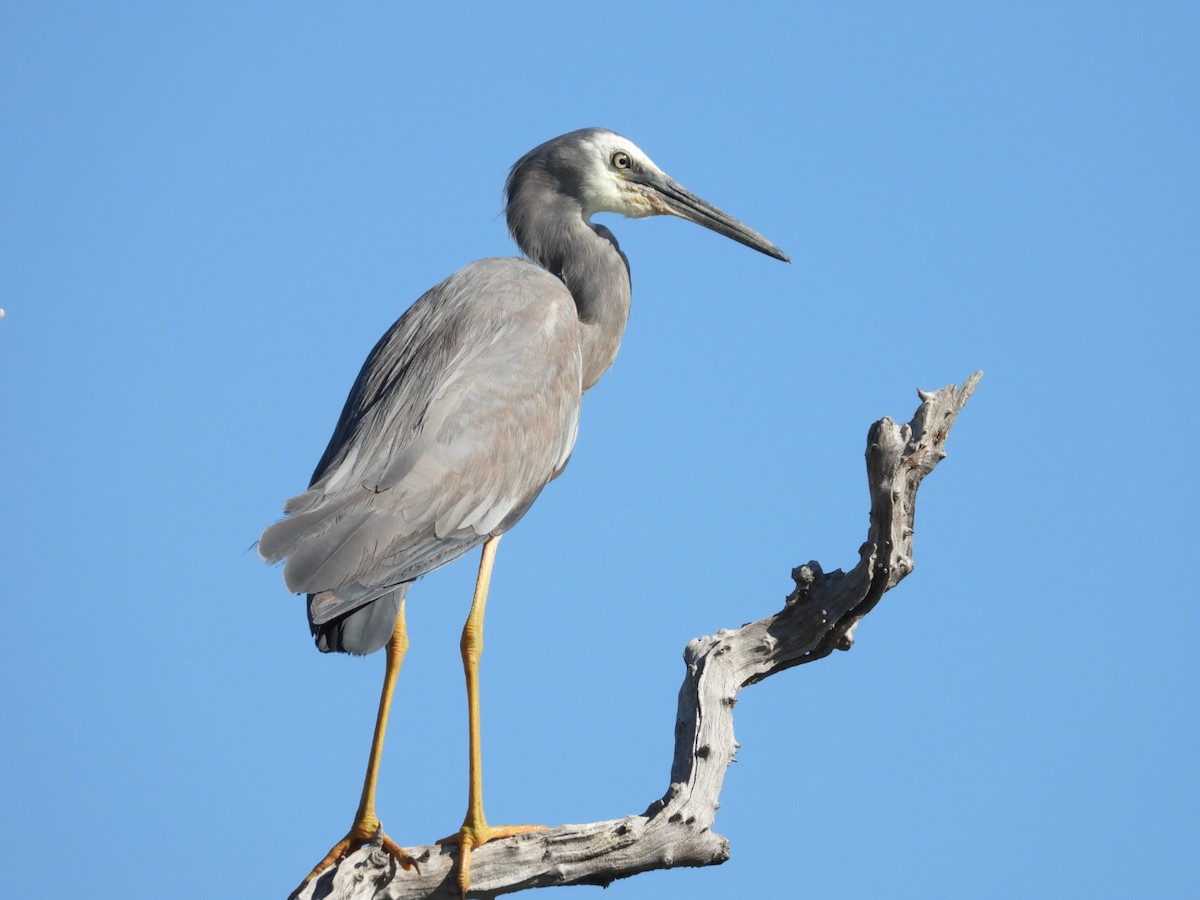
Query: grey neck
[(589, 261), (598, 279)]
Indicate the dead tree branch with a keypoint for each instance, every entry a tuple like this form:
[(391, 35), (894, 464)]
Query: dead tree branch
[(818, 617)]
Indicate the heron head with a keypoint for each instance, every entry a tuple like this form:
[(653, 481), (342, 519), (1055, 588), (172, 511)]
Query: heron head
[(615, 175), (601, 171)]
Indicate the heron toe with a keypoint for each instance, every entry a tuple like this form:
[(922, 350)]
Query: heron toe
[(361, 833), (471, 836)]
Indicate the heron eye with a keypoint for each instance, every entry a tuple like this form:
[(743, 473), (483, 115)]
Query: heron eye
[(621, 160)]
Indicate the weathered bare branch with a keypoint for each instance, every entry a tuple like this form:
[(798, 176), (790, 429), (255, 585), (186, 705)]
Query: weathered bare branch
[(818, 617)]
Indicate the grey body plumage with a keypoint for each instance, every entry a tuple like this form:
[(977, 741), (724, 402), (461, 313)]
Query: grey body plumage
[(469, 405)]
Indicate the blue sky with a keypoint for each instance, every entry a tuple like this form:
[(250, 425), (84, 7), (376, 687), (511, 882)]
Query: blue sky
[(212, 211)]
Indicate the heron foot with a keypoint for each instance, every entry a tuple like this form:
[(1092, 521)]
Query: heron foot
[(363, 832), (471, 836)]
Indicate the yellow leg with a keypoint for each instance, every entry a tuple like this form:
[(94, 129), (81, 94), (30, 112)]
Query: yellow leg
[(366, 825), (475, 830)]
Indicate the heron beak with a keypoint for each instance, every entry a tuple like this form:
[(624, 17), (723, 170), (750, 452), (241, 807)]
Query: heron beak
[(677, 200)]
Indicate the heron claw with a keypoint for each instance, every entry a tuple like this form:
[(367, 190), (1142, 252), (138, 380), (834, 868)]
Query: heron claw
[(360, 835), (468, 838)]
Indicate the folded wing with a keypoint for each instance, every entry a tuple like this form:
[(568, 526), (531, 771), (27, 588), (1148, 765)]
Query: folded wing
[(463, 412)]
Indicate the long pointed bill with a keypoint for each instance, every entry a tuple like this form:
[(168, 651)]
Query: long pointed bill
[(679, 201)]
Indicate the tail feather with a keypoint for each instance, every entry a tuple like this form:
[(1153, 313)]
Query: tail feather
[(363, 630)]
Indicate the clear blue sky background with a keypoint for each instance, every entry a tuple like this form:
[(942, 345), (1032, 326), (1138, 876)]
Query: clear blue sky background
[(210, 213)]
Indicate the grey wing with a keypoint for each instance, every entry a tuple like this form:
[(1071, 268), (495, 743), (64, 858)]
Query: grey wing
[(463, 412)]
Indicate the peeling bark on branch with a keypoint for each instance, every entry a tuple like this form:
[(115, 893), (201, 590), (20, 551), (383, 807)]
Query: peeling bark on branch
[(818, 617)]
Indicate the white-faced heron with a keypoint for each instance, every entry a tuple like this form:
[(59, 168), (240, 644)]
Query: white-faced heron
[(463, 412)]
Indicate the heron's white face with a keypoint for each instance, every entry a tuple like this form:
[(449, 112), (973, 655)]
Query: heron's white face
[(607, 183)]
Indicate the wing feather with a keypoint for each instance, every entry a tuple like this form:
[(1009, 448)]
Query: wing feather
[(462, 413)]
